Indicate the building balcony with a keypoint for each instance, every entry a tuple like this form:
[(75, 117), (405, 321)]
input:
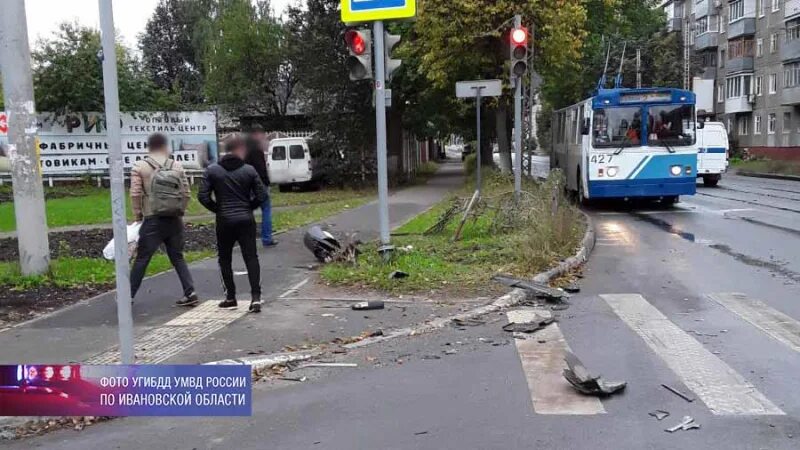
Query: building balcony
[(701, 8), (709, 39), (742, 27), (674, 24), (791, 9), (742, 64), (738, 105), (790, 50), (791, 96), (708, 73)]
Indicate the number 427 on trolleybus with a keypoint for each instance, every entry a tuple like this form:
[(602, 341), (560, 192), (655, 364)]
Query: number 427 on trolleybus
[(628, 143)]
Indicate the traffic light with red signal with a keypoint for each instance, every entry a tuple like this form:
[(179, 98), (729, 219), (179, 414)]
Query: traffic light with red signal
[(359, 60), (518, 49)]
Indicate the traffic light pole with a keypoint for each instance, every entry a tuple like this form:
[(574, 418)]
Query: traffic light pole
[(124, 313), (478, 146), (518, 128), (380, 128)]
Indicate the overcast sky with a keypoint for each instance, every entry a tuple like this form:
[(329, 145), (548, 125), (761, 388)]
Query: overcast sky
[(130, 16)]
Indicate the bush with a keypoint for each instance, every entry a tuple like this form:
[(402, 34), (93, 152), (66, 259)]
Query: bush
[(471, 164)]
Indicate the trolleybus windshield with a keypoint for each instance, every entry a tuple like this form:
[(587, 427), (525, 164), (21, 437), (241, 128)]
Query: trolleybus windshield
[(670, 125), (617, 127)]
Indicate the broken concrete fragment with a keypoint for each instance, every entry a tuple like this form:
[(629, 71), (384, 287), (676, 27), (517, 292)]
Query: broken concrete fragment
[(540, 290), (572, 288), (529, 327), (678, 393), (363, 306), (580, 378), (659, 414), (687, 423)]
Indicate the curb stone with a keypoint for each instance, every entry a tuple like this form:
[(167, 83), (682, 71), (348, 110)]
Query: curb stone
[(510, 299), (261, 362), (774, 176)]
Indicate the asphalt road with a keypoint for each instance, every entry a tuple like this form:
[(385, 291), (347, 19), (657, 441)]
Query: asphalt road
[(701, 297)]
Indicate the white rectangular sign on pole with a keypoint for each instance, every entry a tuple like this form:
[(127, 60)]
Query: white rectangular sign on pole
[(489, 88)]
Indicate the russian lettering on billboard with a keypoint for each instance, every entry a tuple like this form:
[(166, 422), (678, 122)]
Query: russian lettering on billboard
[(76, 142)]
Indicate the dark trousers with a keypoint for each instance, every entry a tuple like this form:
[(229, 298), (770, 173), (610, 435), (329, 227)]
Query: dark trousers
[(228, 234), (154, 232)]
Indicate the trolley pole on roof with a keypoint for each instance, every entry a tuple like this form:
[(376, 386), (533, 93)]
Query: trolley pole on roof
[(109, 57)]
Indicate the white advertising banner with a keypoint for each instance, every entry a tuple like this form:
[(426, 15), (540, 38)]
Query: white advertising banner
[(76, 143)]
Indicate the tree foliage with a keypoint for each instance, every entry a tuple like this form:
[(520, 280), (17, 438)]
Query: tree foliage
[(340, 110), (68, 75), (244, 55), (170, 51)]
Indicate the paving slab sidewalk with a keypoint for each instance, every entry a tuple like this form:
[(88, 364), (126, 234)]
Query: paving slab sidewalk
[(81, 332)]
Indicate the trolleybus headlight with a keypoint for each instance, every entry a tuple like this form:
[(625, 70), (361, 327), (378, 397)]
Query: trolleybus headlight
[(675, 170), (688, 170), (612, 171)]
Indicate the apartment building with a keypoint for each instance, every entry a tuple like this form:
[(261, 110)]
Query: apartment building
[(749, 55)]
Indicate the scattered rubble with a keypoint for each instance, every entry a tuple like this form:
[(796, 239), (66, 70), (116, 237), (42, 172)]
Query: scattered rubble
[(659, 414), (572, 288), (678, 393), (529, 327), (580, 378), (538, 289), (364, 306), (687, 423), (398, 274)]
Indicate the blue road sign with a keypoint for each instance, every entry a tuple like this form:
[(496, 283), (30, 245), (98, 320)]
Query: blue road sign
[(369, 10)]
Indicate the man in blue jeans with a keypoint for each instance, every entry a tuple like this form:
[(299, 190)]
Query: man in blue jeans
[(256, 158)]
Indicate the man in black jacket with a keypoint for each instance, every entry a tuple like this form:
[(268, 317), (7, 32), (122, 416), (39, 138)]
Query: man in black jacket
[(256, 158), (232, 190)]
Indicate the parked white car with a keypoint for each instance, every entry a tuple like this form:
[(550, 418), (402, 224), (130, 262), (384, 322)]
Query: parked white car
[(289, 163)]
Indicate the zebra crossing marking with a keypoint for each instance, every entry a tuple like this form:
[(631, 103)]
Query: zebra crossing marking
[(721, 388), (543, 364), (774, 323)]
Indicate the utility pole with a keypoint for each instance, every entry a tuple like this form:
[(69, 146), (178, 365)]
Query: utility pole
[(531, 101), (26, 176), (638, 68), (380, 128), (109, 57)]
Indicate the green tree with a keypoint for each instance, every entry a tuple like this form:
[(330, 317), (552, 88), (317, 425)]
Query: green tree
[(340, 110), (67, 75), (169, 50), (244, 56)]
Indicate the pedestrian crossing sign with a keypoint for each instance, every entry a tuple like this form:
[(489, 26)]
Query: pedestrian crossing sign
[(370, 10)]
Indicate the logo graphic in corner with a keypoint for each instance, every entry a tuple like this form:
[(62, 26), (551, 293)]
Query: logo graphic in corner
[(3, 124)]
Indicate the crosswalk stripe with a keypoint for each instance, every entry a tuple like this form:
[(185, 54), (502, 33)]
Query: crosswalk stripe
[(720, 387), (774, 323), (165, 341), (543, 363)]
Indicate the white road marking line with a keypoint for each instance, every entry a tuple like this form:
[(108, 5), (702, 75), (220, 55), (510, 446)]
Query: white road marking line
[(240, 272), (165, 341), (720, 387), (293, 289), (543, 364), (774, 323)]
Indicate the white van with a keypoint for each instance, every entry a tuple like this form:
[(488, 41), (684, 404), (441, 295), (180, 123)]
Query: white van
[(289, 163), (712, 152)]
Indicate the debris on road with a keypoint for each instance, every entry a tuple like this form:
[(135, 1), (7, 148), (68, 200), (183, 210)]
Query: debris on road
[(678, 393), (687, 423), (580, 378), (398, 274), (659, 414), (298, 379), (572, 288), (540, 290), (468, 322), (529, 327), (321, 364), (321, 243), (364, 306)]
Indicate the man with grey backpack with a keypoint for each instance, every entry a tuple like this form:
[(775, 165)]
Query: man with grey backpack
[(159, 196)]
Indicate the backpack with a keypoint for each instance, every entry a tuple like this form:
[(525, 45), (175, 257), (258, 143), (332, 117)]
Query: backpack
[(166, 189)]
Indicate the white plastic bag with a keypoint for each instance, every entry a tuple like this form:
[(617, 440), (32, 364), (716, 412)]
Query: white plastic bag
[(133, 239)]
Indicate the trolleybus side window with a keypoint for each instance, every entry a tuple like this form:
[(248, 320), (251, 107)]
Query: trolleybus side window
[(670, 125), (617, 127)]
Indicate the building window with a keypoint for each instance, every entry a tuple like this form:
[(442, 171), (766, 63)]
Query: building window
[(737, 86), (757, 124), (730, 125), (773, 83), (740, 48), (776, 5), (701, 26), (720, 93), (771, 123), (760, 7), (787, 122), (722, 58), (792, 31), (758, 89), (759, 47), (743, 125), (737, 10), (773, 42), (791, 75)]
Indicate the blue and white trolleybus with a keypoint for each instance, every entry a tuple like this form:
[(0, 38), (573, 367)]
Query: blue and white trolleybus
[(628, 143)]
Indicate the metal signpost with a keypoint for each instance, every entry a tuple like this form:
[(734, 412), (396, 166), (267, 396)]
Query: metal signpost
[(354, 11), (109, 57), (478, 89)]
